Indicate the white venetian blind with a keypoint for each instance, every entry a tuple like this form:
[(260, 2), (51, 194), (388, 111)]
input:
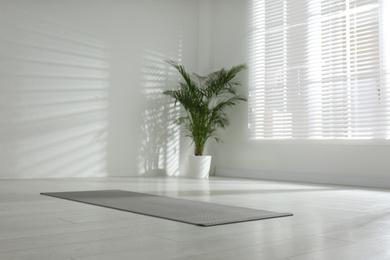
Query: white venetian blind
[(318, 70)]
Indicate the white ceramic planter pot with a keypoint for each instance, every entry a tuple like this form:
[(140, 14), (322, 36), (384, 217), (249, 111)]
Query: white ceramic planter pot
[(200, 166)]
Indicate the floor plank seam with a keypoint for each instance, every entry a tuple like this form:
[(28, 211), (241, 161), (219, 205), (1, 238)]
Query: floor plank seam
[(67, 221), (342, 240), (322, 250)]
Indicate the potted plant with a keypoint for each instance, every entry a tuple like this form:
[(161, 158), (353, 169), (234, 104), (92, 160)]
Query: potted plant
[(205, 101)]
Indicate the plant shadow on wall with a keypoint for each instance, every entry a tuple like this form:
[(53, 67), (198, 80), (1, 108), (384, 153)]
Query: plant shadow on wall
[(54, 98), (159, 150)]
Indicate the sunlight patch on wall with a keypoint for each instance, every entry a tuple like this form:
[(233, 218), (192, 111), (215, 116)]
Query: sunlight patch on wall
[(54, 98)]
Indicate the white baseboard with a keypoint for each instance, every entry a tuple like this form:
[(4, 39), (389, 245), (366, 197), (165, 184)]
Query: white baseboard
[(337, 179)]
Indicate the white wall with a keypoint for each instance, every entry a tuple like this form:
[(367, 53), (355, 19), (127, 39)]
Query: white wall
[(356, 163), (81, 83)]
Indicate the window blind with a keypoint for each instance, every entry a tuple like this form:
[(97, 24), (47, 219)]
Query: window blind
[(318, 70)]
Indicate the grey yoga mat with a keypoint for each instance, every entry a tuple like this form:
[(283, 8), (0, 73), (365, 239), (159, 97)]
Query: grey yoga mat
[(187, 211)]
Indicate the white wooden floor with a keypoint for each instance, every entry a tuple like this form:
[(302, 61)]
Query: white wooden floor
[(329, 222)]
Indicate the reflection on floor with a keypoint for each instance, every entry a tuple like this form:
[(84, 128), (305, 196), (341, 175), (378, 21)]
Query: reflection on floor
[(329, 222)]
